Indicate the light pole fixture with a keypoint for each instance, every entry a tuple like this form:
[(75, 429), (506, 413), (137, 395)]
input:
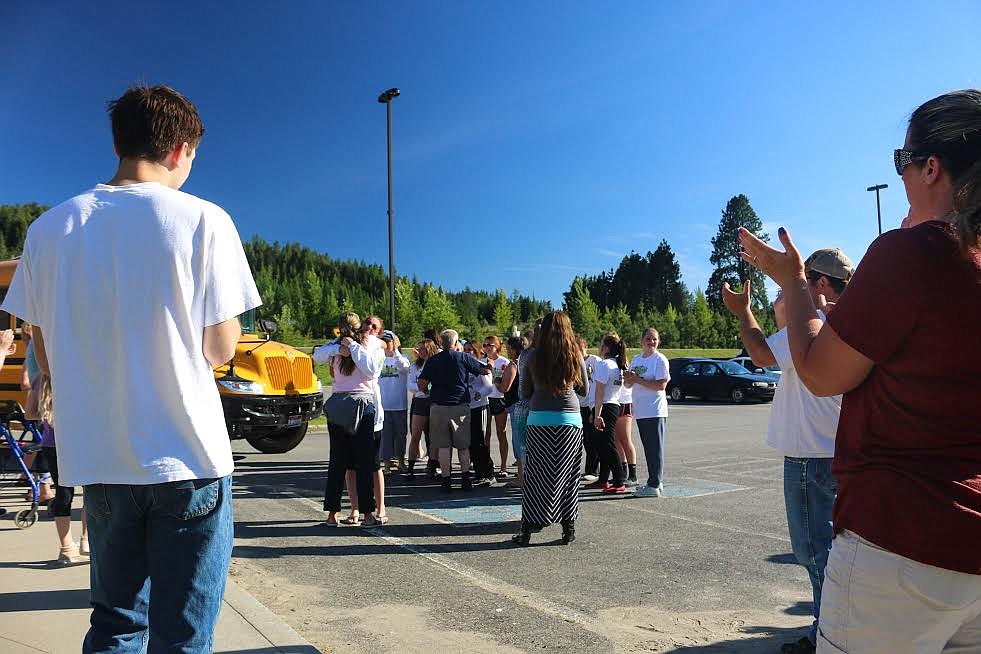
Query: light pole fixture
[(878, 207), (386, 99)]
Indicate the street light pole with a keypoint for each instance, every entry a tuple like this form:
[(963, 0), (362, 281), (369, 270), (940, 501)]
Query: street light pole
[(386, 99), (878, 207)]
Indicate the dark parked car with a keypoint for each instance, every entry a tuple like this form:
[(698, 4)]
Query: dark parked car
[(712, 379)]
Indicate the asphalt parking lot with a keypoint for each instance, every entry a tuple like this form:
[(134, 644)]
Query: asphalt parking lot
[(706, 568)]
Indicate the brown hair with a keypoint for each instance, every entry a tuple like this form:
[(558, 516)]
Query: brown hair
[(615, 349), (349, 325), (149, 122), (495, 340), (557, 362), (949, 127), (429, 346)]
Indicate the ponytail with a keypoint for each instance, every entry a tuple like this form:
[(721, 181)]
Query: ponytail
[(615, 349)]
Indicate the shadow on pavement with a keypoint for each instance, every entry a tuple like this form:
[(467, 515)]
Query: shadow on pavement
[(44, 600), (800, 608), (770, 641), (285, 649), (783, 559), (307, 528)]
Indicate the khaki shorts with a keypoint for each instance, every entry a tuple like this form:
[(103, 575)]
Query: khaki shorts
[(449, 425)]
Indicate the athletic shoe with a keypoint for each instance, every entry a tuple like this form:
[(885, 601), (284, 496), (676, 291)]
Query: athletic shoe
[(588, 478), (445, 485), (647, 491), (615, 490), (601, 485), (71, 556), (482, 482), (83, 548), (631, 483)]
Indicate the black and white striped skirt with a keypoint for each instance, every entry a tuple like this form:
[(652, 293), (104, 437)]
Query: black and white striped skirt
[(551, 484)]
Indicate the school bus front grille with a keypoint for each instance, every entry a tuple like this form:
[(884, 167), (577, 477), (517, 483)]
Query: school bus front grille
[(280, 372), (286, 375), (303, 373)]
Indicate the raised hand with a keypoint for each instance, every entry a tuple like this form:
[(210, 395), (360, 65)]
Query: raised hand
[(736, 303), (782, 267)]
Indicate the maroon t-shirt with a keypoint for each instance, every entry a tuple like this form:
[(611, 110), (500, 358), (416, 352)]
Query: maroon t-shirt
[(908, 450)]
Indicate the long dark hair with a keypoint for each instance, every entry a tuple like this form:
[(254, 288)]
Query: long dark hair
[(349, 324), (557, 362), (949, 127)]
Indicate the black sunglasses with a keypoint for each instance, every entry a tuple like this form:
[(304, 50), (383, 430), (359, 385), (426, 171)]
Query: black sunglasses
[(903, 158)]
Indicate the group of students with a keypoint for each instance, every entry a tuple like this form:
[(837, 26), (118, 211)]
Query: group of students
[(375, 428)]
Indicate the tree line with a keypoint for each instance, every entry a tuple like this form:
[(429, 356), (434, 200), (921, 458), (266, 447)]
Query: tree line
[(304, 291)]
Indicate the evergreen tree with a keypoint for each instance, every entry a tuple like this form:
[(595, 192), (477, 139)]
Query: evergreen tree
[(725, 254), (502, 312), (583, 312)]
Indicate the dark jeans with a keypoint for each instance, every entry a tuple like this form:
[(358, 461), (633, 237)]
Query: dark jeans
[(358, 451), (160, 557), (652, 438), (483, 466), (589, 440), (606, 445), (61, 505)]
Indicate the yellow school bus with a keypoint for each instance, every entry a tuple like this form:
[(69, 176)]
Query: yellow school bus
[(269, 392)]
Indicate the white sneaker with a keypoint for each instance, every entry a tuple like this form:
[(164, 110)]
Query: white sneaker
[(648, 491), (71, 556), (588, 478), (83, 548)]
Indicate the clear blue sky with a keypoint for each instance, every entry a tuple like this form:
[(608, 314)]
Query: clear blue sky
[(533, 141)]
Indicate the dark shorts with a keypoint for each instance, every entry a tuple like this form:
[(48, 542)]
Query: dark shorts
[(627, 410), (497, 406), (420, 407)]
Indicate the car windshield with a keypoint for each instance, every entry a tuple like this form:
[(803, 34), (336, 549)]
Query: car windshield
[(733, 368), (248, 321), (773, 368)]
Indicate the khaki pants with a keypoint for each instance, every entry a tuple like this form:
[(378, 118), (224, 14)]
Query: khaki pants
[(877, 602)]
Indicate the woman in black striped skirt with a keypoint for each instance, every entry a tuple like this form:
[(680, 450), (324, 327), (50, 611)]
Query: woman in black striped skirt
[(554, 434)]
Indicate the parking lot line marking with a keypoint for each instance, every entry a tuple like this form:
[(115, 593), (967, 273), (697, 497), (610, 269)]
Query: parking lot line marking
[(632, 506), (423, 514), (734, 463), (499, 587)]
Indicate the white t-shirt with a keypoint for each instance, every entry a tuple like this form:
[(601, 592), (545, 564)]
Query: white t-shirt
[(413, 383), (801, 424), (500, 363), (648, 403), (626, 395), (481, 387), (587, 399), (393, 380), (122, 281), (608, 373)]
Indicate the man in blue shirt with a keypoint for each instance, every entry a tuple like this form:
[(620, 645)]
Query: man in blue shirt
[(445, 378)]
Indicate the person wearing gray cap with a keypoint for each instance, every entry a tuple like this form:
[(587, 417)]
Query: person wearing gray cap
[(802, 425)]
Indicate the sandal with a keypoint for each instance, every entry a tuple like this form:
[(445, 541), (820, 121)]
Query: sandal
[(351, 521), (381, 520), (330, 523)]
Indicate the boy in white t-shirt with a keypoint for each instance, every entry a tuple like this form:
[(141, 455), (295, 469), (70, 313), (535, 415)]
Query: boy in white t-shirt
[(159, 278)]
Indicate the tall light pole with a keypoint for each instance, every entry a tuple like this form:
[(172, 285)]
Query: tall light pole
[(386, 99), (878, 207)]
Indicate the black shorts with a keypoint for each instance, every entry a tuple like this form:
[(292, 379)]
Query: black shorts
[(627, 410), (420, 407), (497, 406)]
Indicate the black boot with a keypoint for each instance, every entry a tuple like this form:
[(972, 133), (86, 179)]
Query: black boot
[(431, 469), (568, 531), (446, 485), (411, 473), (523, 537), (467, 484)]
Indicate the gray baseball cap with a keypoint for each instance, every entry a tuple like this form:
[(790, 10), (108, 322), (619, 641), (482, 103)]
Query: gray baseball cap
[(831, 262)]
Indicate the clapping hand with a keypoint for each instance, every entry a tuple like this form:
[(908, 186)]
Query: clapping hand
[(736, 303), (7, 341), (782, 267)]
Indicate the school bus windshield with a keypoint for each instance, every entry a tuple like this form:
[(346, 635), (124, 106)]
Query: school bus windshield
[(247, 321)]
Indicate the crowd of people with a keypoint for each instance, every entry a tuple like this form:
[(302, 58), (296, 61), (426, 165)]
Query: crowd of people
[(877, 413), (461, 391)]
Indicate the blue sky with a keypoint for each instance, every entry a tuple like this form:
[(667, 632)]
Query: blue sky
[(533, 142)]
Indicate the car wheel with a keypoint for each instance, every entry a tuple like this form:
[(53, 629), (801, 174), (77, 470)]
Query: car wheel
[(737, 395), (676, 394)]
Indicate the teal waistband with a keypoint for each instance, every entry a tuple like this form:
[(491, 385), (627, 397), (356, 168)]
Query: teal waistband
[(554, 418)]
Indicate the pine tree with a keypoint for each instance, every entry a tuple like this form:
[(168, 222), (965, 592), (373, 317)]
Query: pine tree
[(725, 255), (503, 315), (583, 312)]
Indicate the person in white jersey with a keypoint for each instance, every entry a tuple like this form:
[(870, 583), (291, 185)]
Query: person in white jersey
[(648, 376), (159, 277), (802, 426)]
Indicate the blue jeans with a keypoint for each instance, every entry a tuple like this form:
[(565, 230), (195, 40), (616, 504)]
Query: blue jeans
[(809, 491), (519, 422), (652, 438), (160, 557)]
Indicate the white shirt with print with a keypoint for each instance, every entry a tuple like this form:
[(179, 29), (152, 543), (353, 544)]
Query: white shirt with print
[(649, 403), (500, 363), (608, 373)]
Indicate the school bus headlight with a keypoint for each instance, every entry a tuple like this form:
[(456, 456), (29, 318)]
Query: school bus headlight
[(251, 387)]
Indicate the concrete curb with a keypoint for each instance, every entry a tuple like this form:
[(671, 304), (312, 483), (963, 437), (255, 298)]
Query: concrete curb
[(280, 635)]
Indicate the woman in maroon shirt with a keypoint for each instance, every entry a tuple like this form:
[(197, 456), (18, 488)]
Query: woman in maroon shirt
[(903, 344)]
